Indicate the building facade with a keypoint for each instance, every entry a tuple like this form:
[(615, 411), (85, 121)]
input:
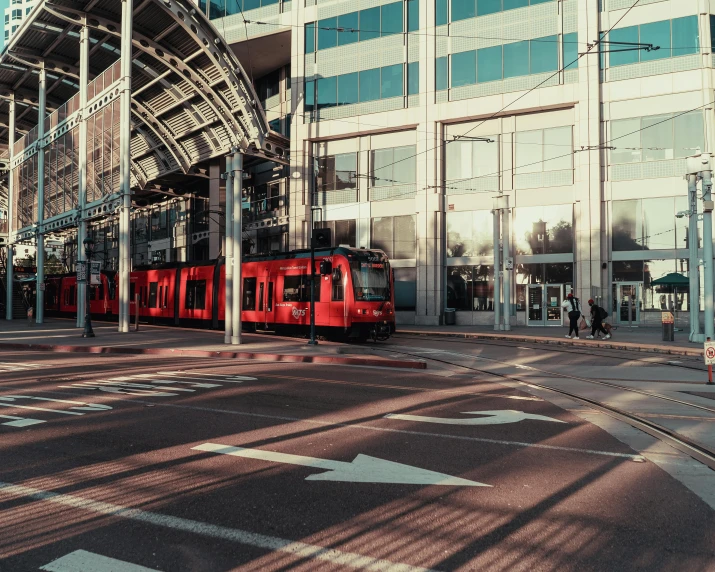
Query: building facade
[(15, 14), (408, 118)]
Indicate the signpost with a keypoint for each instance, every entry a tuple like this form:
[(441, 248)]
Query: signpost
[(81, 272), (710, 359)]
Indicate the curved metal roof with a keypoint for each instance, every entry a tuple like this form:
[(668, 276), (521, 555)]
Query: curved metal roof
[(191, 99)]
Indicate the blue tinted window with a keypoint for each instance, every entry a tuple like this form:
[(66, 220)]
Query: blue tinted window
[(350, 25), (516, 59), (275, 125), (712, 32), (511, 4), (234, 7), (413, 15), (544, 55), (464, 68), (413, 78), (369, 24), (391, 17), (629, 34), (570, 52), (348, 88), (391, 81), (440, 7), (538, 1), (327, 92), (441, 73), (309, 96), (267, 2), (463, 9), (658, 34), (370, 85), (310, 38), (686, 38), (489, 66), (217, 8), (488, 7), (250, 4), (202, 6), (327, 34)]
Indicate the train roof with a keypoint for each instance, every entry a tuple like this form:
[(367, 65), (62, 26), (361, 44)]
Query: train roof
[(305, 253)]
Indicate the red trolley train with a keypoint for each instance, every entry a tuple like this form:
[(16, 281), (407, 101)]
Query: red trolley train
[(354, 294)]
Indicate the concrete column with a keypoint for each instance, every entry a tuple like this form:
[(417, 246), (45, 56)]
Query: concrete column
[(125, 251), (236, 235), (708, 254), (10, 201), (228, 285), (82, 166), (40, 237), (506, 216), (693, 268)]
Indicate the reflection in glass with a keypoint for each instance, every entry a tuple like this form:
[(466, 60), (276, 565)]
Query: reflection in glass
[(544, 230), (658, 223), (470, 233), (405, 288), (464, 68), (627, 226), (471, 287)]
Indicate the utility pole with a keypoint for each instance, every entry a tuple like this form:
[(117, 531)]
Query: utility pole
[(693, 268)]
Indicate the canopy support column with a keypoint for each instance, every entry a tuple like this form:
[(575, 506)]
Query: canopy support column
[(82, 164), (40, 236), (236, 238), (228, 284), (10, 200), (124, 165)]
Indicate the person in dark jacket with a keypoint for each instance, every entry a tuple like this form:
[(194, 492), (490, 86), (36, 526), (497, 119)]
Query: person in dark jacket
[(597, 316), (572, 305)]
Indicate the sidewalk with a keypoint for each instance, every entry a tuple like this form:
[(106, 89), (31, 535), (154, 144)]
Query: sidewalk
[(60, 335), (624, 338)]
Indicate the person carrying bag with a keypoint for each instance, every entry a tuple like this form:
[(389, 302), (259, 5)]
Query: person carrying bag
[(572, 305)]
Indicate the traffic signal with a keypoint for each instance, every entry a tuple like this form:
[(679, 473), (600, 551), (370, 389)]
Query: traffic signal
[(322, 238)]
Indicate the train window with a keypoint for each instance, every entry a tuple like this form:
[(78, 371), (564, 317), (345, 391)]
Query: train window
[(338, 288), (260, 297), (195, 295), (73, 296), (166, 296), (132, 291), (269, 299), (249, 293), (297, 289), (161, 295)]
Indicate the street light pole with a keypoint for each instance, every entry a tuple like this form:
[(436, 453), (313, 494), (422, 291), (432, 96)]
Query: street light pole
[(313, 341), (88, 252)]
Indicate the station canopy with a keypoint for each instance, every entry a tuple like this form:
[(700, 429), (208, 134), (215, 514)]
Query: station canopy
[(191, 99)]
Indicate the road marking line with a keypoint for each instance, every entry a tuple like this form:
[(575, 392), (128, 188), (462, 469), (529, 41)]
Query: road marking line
[(272, 543), (223, 377), (488, 418), (83, 561), (20, 421), (363, 469), (15, 405)]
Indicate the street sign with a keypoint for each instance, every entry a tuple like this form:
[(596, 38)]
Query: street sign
[(363, 469), (666, 318), (81, 272), (95, 279), (709, 353), (490, 418)]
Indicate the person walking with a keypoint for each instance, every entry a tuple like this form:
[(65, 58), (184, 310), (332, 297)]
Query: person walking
[(572, 305), (598, 314)]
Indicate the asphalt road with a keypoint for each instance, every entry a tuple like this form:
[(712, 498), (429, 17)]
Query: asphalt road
[(129, 463)]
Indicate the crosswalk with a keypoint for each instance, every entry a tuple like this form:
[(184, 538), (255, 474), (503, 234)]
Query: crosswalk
[(6, 366)]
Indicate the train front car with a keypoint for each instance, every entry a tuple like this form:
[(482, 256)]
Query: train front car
[(373, 310)]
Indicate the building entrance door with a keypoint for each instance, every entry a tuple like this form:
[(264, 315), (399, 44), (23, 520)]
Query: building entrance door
[(627, 302), (544, 304)]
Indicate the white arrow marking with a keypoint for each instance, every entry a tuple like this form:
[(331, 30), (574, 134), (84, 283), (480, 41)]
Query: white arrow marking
[(363, 469), (83, 561), (78, 405), (222, 377), (192, 382), (492, 418), (19, 421)]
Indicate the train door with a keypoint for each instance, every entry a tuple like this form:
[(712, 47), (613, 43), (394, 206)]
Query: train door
[(270, 289), (165, 279)]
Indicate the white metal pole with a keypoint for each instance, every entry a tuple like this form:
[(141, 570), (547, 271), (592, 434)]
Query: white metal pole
[(10, 203), (507, 273), (708, 253), (40, 237), (237, 244), (497, 271), (228, 285), (693, 269), (82, 166), (124, 165)]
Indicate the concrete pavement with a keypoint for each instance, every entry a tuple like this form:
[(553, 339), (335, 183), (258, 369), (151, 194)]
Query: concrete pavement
[(61, 335)]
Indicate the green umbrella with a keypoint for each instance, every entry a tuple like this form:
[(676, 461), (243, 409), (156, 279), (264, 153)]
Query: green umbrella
[(672, 279)]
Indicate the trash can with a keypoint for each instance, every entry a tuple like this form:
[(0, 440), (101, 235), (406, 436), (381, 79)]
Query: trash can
[(450, 317), (668, 331)]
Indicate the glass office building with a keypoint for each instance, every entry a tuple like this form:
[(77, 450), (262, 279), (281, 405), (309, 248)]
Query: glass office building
[(407, 118)]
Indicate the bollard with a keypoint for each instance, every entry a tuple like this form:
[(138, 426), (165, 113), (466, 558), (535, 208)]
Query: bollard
[(136, 307)]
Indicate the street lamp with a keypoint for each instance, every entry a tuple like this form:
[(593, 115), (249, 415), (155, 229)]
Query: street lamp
[(88, 252)]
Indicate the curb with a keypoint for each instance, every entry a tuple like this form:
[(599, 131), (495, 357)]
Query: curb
[(291, 358), (676, 351)]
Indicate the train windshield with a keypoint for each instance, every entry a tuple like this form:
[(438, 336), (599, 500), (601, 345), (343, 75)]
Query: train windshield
[(371, 280)]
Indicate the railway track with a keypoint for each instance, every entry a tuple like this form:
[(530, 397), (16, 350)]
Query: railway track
[(696, 450)]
